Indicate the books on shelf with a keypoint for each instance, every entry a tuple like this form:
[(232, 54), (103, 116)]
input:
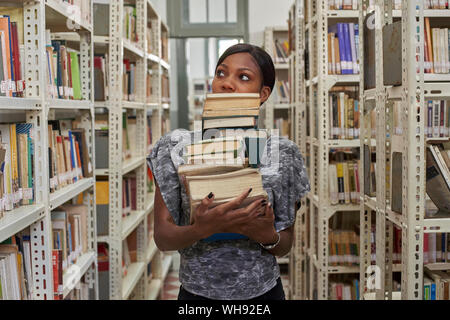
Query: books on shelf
[(438, 176), (343, 48), (436, 49), (129, 80), (437, 120), (343, 247), (281, 92), (284, 126), (344, 113), (436, 284), (17, 185), (69, 241), (344, 181), (12, 52), (342, 5), (101, 64), (69, 159), (16, 268), (281, 51), (129, 23), (343, 290), (63, 70), (129, 196)]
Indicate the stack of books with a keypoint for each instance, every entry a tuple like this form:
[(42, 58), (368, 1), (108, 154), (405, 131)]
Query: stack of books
[(436, 49), (222, 165), (231, 111)]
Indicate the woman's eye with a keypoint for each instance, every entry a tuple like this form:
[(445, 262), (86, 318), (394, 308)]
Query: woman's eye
[(220, 73), (245, 77)]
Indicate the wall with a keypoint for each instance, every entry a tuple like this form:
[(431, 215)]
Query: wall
[(263, 13)]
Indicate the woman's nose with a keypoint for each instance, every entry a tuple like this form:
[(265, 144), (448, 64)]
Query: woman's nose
[(228, 86)]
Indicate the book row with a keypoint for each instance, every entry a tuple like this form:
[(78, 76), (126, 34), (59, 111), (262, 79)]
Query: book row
[(63, 71), (281, 51), (16, 273), (436, 285), (343, 248), (16, 166), (348, 290), (344, 182), (12, 52), (281, 92), (129, 23), (437, 118), (69, 241), (344, 116), (283, 126), (69, 159), (436, 51), (428, 4), (342, 4), (343, 48)]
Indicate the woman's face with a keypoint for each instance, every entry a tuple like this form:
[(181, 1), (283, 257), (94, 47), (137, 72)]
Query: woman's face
[(239, 73)]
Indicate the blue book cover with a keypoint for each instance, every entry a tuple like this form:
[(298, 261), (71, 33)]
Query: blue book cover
[(348, 49), (224, 236), (433, 291), (72, 155), (342, 55)]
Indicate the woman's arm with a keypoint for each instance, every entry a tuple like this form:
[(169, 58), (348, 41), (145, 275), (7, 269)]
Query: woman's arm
[(169, 236)]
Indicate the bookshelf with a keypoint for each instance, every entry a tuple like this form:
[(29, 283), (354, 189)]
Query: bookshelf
[(315, 82), (38, 109), (198, 89), (297, 256), (147, 106), (278, 109), (411, 142)]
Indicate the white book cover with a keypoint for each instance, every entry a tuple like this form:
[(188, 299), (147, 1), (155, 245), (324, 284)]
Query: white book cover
[(351, 28), (333, 184), (442, 51)]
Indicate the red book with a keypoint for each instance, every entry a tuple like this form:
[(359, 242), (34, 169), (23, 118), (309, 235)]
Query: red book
[(339, 291), (57, 274), (16, 59)]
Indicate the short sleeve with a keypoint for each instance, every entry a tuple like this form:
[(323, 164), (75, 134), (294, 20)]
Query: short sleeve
[(285, 179), (164, 171)]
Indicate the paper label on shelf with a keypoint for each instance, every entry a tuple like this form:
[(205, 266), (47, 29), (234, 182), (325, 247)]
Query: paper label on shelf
[(61, 178), (61, 91), (20, 85), (12, 86), (1, 204), (54, 182), (89, 167), (4, 86), (27, 193), (17, 196)]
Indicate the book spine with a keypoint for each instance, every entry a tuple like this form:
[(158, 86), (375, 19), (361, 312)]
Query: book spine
[(342, 53), (351, 29)]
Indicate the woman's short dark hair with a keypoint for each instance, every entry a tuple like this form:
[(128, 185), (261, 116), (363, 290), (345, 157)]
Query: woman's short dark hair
[(261, 57)]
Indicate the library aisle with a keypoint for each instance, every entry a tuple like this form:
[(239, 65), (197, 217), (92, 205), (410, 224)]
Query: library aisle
[(332, 114)]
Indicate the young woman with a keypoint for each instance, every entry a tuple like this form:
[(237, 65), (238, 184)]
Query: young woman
[(231, 269)]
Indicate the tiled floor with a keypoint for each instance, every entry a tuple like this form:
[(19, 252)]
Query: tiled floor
[(172, 283)]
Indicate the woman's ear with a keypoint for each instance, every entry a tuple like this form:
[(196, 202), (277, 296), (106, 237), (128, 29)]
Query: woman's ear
[(265, 93)]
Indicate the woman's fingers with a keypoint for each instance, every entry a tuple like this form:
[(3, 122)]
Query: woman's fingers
[(206, 202), (233, 204)]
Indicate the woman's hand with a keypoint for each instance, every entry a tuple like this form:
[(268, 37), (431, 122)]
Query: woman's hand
[(227, 217), (262, 229)]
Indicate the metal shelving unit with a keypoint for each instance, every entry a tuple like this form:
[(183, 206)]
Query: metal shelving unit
[(37, 109), (282, 69), (416, 88), (134, 284), (311, 105)]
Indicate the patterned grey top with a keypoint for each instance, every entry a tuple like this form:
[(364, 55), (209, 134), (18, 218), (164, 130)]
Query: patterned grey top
[(231, 269)]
